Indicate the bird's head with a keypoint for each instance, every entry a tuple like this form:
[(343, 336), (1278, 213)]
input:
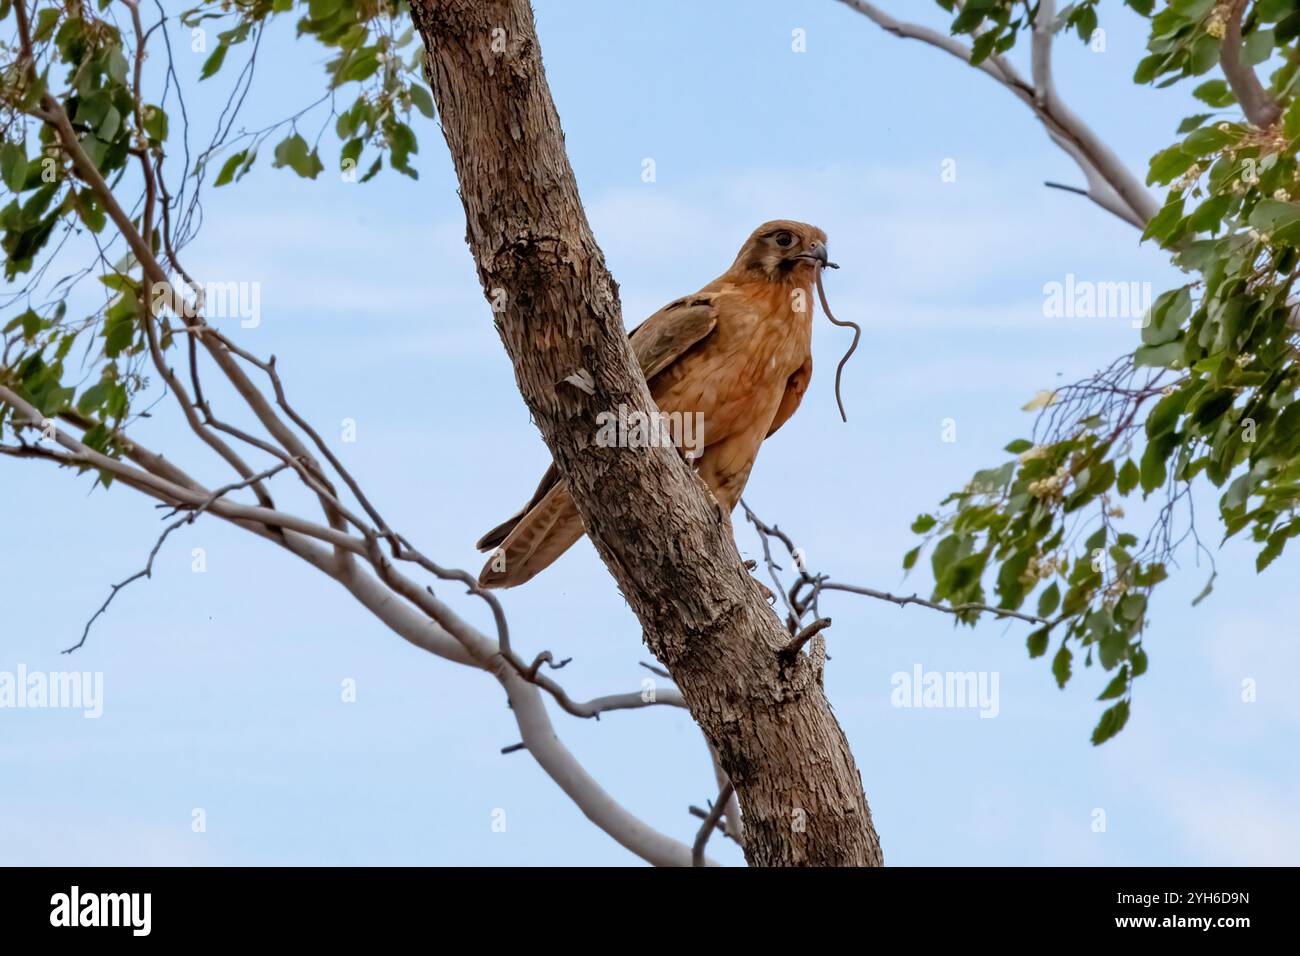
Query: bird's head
[(783, 250)]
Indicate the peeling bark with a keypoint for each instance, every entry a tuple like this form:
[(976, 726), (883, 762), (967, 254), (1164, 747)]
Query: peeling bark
[(655, 525)]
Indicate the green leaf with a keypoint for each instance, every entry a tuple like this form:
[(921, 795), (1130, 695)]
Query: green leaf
[(1112, 647), (292, 151), (1288, 29), (1192, 122), (1280, 219), (1128, 477), (923, 523), (1162, 224), (363, 64), (1271, 11), (1047, 603), (1205, 591), (984, 45), (1204, 54), (1258, 47), (943, 555), (1214, 93), (94, 397), (1037, 642), (1153, 471), (1085, 23), (1011, 592), (1192, 10), (1168, 314), (1208, 216), (110, 125), (1148, 67), (1168, 164), (1132, 607), (45, 23), (421, 99), (1117, 686), (120, 326), (1165, 415), (213, 62), (155, 123), (13, 167), (229, 166), (118, 282), (116, 65), (1061, 666), (1111, 723), (1169, 355), (31, 324), (351, 151), (1276, 542)]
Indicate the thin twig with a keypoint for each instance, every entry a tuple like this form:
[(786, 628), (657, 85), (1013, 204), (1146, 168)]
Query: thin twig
[(703, 814), (147, 570), (1111, 185), (710, 822)]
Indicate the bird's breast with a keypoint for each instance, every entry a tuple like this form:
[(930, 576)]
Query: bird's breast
[(736, 377)]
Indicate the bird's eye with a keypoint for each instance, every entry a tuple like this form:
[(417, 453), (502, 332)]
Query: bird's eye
[(784, 239)]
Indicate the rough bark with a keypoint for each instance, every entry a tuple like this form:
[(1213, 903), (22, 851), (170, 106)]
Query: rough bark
[(668, 545)]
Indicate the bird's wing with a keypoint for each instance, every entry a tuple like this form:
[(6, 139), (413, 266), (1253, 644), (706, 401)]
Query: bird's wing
[(658, 342), (671, 332), (795, 386)]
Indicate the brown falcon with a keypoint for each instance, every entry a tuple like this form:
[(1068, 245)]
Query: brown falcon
[(738, 353)]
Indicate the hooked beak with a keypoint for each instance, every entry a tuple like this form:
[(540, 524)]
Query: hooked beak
[(817, 255)]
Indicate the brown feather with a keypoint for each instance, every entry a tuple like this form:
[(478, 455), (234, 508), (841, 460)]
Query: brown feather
[(498, 534), (549, 528)]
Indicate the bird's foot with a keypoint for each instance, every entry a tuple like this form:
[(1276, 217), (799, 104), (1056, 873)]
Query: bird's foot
[(750, 565)]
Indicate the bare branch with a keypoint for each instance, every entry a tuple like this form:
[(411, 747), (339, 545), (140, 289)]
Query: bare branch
[(656, 670), (468, 646), (902, 601), (1049, 107), (1110, 184), (1260, 107), (147, 570), (803, 594)]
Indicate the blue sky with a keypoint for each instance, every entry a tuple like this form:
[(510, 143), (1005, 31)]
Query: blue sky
[(222, 689)]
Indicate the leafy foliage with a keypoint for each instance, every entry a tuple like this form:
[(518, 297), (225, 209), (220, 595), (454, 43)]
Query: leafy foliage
[(89, 58), (1214, 374)]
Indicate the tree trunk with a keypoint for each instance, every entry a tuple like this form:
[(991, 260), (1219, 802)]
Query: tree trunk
[(667, 543)]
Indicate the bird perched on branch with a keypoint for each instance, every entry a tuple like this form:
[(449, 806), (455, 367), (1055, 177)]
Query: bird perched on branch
[(735, 356)]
